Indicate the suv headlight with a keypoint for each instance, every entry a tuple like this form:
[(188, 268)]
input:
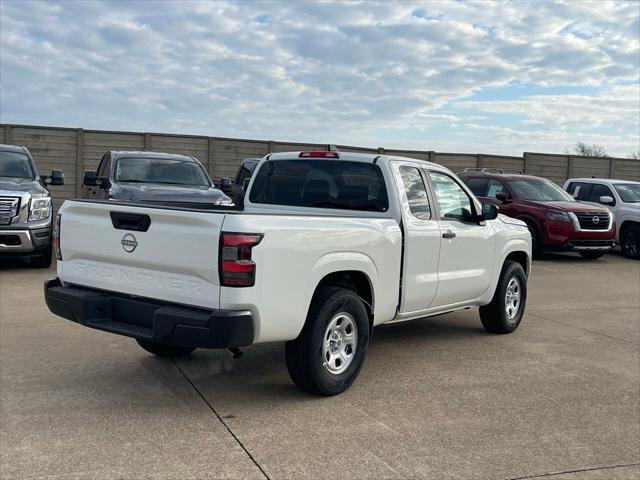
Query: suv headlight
[(40, 209), (558, 216)]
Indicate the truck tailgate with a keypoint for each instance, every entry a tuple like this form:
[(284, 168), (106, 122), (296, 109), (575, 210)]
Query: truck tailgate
[(175, 259)]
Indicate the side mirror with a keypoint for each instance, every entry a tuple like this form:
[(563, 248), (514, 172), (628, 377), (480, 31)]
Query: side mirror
[(57, 177), (90, 178), (503, 197), (226, 185), (489, 211), (607, 200)]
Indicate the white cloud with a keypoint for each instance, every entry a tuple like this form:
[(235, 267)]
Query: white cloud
[(358, 72)]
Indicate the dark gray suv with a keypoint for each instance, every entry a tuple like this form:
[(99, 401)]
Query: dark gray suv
[(25, 207)]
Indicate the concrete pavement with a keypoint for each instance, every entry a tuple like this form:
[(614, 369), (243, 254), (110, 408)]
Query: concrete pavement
[(437, 398)]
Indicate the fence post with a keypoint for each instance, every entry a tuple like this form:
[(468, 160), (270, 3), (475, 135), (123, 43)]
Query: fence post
[(79, 161), (147, 141), (212, 156), (479, 160), (7, 134), (569, 167), (612, 167), (525, 158), (271, 146)]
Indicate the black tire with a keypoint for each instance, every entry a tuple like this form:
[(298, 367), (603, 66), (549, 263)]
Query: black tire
[(591, 255), (42, 260), (494, 316), (630, 242), (304, 355), (171, 351)]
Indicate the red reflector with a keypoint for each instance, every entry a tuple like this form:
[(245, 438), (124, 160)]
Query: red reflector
[(240, 239), (237, 267), (319, 154)]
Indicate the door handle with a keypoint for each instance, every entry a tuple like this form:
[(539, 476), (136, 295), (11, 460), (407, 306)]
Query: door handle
[(448, 234)]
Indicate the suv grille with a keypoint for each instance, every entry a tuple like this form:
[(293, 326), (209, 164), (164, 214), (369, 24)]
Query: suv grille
[(8, 209), (593, 221)]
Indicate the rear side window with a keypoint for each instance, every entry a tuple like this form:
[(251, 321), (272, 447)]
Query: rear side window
[(478, 186), (416, 192), (321, 184)]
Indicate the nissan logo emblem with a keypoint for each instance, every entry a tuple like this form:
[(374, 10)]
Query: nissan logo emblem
[(595, 220), (129, 243)]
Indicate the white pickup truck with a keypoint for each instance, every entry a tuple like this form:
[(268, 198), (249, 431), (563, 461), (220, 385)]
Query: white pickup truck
[(326, 246)]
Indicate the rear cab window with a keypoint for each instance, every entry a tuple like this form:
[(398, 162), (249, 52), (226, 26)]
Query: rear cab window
[(321, 183)]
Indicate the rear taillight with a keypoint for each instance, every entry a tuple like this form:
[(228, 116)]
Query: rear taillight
[(56, 236), (236, 267), (319, 154)]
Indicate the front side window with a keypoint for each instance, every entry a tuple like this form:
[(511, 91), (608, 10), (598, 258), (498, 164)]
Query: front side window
[(598, 191), (453, 202), (320, 184), (416, 192), (539, 190), (15, 165), (160, 170), (629, 192), (494, 188)]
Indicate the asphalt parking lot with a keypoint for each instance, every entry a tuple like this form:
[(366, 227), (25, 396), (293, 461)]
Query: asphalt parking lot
[(438, 398)]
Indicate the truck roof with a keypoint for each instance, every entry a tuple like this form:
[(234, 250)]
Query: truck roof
[(13, 148), (600, 180), (349, 156), (147, 154)]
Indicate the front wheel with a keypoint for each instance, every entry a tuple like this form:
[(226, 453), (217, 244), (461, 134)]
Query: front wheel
[(327, 356), (171, 351), (591, 255), (630, 242), (504, 313)]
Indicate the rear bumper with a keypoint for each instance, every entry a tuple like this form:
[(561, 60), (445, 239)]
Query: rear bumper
[(152, 320)]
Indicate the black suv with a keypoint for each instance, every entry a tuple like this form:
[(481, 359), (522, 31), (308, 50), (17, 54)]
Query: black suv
[(152, 177)]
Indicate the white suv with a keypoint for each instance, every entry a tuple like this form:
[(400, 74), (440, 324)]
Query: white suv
[(623, 199)]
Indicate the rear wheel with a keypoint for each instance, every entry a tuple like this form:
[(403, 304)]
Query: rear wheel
[(591, 255), (42, 260), (504, 313), (630, 242), (162, 350), (327, 356)]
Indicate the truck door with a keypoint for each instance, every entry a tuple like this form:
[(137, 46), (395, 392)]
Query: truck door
[(421, 238), (467, 249)]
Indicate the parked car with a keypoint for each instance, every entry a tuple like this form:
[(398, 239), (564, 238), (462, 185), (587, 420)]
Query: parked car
[(25, 207), (235, 188), (557, 221), (327, 246), (152, 177), (622, 197)]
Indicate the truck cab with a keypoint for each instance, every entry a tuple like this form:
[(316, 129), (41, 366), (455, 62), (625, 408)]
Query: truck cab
[(25, 207)]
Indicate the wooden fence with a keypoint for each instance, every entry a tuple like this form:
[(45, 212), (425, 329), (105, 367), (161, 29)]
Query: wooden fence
[(75, 150)]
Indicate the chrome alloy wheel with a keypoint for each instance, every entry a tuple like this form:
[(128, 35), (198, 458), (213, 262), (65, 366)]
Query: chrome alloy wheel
[(339, 343), (512, 298)]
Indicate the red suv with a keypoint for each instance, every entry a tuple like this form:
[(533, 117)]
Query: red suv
[(556, 220)]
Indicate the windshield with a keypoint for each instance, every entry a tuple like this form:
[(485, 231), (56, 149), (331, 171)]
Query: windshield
[(629, 192), (539, 190), (161, 170), (15, 165)]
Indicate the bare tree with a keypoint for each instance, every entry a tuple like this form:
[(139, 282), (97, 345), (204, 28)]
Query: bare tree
[(586, 150), (634, 155)]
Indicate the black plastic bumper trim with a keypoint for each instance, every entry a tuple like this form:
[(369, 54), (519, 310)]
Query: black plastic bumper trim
[(153, 320)]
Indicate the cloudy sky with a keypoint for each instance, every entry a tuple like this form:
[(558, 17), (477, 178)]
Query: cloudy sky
[(448, 76)]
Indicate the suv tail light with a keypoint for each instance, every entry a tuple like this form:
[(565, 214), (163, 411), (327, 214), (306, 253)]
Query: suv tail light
[(236, 267), (56, 236), (319, 154)]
